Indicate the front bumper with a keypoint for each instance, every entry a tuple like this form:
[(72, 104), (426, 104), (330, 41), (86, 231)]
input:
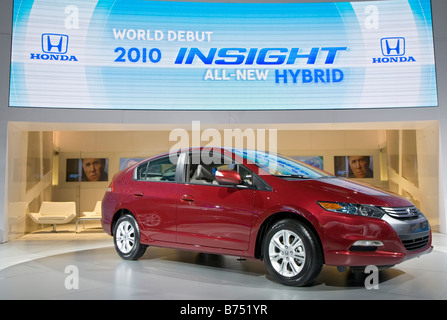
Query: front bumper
[(402, 239)]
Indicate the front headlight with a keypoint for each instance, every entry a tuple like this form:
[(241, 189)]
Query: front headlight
[(364, 210)]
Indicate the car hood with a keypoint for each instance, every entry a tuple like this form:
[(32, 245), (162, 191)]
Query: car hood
[(344, 190)]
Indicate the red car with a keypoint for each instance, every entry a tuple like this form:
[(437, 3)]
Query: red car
[(259, 205)]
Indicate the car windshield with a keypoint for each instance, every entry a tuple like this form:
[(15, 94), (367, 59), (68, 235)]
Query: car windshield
[(281, 166)]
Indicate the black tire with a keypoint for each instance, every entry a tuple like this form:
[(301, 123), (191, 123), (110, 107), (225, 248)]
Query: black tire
[(292, 253), (126, 237)]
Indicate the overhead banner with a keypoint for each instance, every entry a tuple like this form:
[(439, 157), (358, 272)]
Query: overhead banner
[(137, 54)]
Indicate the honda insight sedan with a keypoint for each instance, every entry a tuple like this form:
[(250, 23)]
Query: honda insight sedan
[(254, 204)]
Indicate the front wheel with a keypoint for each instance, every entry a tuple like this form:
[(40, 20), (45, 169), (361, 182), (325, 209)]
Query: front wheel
[(126, 237), (292, 253)]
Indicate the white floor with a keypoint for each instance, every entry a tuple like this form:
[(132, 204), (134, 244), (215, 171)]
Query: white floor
[(84, 265)]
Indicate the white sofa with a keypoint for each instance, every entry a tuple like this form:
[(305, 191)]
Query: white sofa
[(54, 213)]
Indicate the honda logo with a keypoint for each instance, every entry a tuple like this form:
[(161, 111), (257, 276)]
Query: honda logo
[(393, 46), (54, 43)]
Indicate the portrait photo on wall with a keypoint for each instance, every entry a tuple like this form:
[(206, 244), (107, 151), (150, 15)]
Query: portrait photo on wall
[(354, 166), (127, 162), (314, 161), (87, 169)]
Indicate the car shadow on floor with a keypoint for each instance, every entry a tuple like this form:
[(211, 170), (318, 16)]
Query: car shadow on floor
[(329, 275)]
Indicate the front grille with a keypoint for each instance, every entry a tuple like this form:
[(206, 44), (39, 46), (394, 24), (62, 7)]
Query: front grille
[(403, 212), (415, 242)]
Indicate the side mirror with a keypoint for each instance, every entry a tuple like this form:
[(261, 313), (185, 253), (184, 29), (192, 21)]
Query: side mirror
[(228, 177)]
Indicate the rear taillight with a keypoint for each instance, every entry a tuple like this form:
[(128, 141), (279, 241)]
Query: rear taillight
[(110, 188)]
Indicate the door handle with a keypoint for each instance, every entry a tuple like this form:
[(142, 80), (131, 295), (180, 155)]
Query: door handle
[(138, 194), (187, 197)]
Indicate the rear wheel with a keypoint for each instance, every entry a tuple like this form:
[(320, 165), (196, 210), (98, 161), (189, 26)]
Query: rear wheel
[(127, 238), (292, 253)]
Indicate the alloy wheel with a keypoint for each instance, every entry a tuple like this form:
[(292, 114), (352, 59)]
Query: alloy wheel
[(125, 237), (286, 253)]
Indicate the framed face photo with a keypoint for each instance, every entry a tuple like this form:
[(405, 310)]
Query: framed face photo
[(354, 166), (87, 169)]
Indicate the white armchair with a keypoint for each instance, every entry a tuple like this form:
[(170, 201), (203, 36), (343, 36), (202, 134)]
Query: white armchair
[(54, 213), (96, 214)]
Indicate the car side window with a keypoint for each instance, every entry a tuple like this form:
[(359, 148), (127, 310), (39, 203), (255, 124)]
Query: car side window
[(246, 175), (140, 172), (204, 173), (161, 169)]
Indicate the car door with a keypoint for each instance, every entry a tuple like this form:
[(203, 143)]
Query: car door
[(213, 215), (155, 198)]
